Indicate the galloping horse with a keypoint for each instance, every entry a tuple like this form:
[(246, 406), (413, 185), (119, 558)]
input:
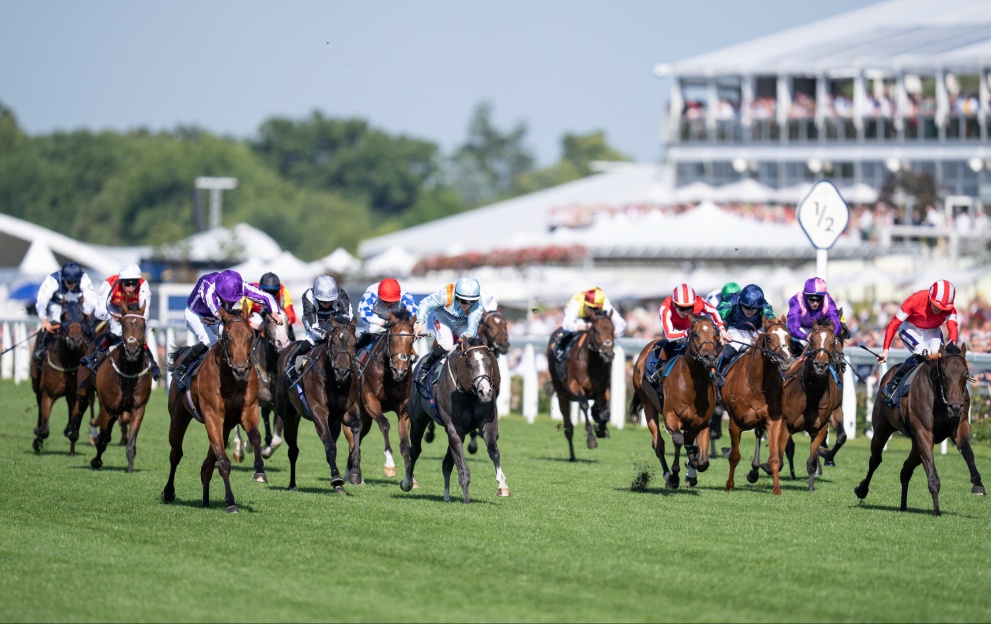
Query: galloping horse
[(330, 390), (272, 339), (810, 395), (936, 407), (123, 383), (752, 396), (385, 383), (465, 397), (222, 393), (688, 396), (588, 376), (55, 375)]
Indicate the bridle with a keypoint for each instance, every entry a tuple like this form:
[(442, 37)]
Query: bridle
[(225, 341), (596, 347), (465, 351), (694, 349), (939, 390), (333, 354), (131, 339)]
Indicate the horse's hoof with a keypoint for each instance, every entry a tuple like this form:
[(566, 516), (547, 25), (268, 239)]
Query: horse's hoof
[(776, 491), (92, 441), (752, 476), (978, 489), (238, 455), (473, 447), (292, 488), (592, 444), (336, 482), (267, 452), (167, 498), (502, 491), (339, 490), (36, 445), (232, 509), (405, 485), (860, 492), (766, 467), (276, 442), (428, 437), (725, 451), (96, 463), (355, 479), (830, 462), (260, 477), (416, 486), (390, 471)]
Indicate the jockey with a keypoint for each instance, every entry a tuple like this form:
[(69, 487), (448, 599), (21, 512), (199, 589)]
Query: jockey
[(270, 283), (919, 323), (676, 314), (726, 293), (325, 302), (214, 292), (381, 299), (743, 316), (127, 288), (454, 312), (580, 308), (807, 307), (69, 283)]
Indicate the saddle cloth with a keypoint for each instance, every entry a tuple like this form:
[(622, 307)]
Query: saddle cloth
[(904, 385), (427, 389)]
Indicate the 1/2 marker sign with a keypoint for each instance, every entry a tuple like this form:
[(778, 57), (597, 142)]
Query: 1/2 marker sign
[(823, 215)]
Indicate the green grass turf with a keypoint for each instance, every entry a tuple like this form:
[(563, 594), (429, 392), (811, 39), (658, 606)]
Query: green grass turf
[(572, 543)]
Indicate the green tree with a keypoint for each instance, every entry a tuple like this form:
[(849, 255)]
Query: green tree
[(489, 164), (578, 152)]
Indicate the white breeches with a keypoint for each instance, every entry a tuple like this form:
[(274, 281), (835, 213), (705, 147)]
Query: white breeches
[(918, 340), (739, 335), (205, 334), (445, 334)]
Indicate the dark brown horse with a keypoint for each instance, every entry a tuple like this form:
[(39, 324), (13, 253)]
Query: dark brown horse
[(464, 395), (271, 339), (936, 408), (688, 396), (222, 393), (330, 391), (588, 377), (752, 396), (385, 382), (123, 383), (810, 395), (54, 375), (86, 393)]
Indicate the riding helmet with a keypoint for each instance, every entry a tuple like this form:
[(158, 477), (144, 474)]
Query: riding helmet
[(230, 286), (684, 296), (941, 294), (71, 272), (752, 296), (389, 290), (595, 297), (270, 283), (129, 271), (815, 287), (325, 289), (467, 289), (731, 288)]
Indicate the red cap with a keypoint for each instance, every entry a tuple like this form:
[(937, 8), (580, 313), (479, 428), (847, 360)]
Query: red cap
[(389, 290)]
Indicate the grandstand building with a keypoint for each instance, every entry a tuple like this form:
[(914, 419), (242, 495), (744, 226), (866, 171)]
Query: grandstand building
[(901, 85)]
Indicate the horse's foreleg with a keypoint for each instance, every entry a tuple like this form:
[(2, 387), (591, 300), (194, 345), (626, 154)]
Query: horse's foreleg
[(702, 450), (657, 440), (389, 468), (132, 439), (755, 464), (734, 454), (774, 433), (238, 445), (490, 434), (589, 429), (418, 422), (446, 467), (962, 442), (177, 430), (790, 455), (45, 403), (321, 423), (882, 431), (455, 438), (249, 421), (266, 413), (812, 465), (403, 421), (829, 455), (569, 428), (105, 421), (359, 427)]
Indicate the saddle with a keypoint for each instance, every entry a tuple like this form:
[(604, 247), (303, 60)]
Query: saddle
[(903, 387), (562, 344), (190, 370)]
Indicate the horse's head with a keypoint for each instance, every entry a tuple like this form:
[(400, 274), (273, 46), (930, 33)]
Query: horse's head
[(236, 342), (341, 342), (822, 347), (495, 332), (702, 339), (477, 370), (953, 376), (601, 335), (400, 342), (776, 342), (74, 324), (132, 327), (276, 334)]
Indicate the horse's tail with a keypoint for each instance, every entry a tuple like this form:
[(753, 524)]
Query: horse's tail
[(635, 404), (173, 356)]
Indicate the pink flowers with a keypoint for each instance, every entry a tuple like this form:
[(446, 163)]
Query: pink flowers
[(550, 255)]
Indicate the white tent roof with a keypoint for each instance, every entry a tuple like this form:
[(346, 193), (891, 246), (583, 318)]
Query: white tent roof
[(747, 190), (237, 243), (339, 261), (395, 261), (694, 192), (19, 232), (288, 267), (39, 260)]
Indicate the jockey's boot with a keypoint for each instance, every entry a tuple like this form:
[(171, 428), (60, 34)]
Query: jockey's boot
[(40, 343), (156, 373), (724, 359), (93, 360), (364, 340), (662, 357), (906, 366), (194, 354), (435, 354), (300, 359)]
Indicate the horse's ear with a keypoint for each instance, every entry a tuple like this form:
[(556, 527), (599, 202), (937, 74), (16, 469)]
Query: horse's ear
[(767, 322), (245, 309), (225, 316), (963, 349), (142, 310)]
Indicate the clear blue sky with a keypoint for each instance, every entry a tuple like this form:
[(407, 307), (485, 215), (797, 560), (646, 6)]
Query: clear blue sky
[(417, 68)]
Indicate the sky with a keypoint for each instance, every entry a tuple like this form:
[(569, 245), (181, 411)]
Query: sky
[(415, 68)]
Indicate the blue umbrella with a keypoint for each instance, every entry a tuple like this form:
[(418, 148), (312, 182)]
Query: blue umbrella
[(27, 291)]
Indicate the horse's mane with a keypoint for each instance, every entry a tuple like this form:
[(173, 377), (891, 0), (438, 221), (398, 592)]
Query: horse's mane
[(822, 321), (952, 349), (402, 315), (476, 341)]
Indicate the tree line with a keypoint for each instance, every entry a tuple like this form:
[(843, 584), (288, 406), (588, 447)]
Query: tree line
[(313, 184)]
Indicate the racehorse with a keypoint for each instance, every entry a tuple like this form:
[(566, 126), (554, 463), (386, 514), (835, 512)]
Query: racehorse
[(330, 387), (588, 375), (384, 386), (222, 393), (464, 396), (86, 393), (810, 395), (752, 396), (272, 338), (688, 397), (936, 407), (54, 375), (123, 383)]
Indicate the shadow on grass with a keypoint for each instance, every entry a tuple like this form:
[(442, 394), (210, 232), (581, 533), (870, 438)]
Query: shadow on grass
[(439, 498), (910, 510), (565, 460), (105, 468), (56, 452), (216, 506), (315, 490), (662, 490), (250, 467)]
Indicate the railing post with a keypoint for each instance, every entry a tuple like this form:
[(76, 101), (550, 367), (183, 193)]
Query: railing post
[(7, 359), (22, 354), (505, 388), (849, 403), (169, 340), (617, 388), (152, 343), (530, 384)]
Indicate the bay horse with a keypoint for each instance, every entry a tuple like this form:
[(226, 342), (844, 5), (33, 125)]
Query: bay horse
[(751, 395), (688, 396), (464, 395), (271, 339), (330, 390), (936, 408), (588, 377), (384, 386), (222, 393), (54, 376), (810, 395), (123, 384)]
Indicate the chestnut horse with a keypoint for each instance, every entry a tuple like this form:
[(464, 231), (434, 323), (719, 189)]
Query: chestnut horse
[(54, 375), (123, 384), (222, 393), (688, 396), (810, 395), (384, 386), (936, 407), (588, 376), (272, 338), (752, 396), (330, 387), (465, 396)]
